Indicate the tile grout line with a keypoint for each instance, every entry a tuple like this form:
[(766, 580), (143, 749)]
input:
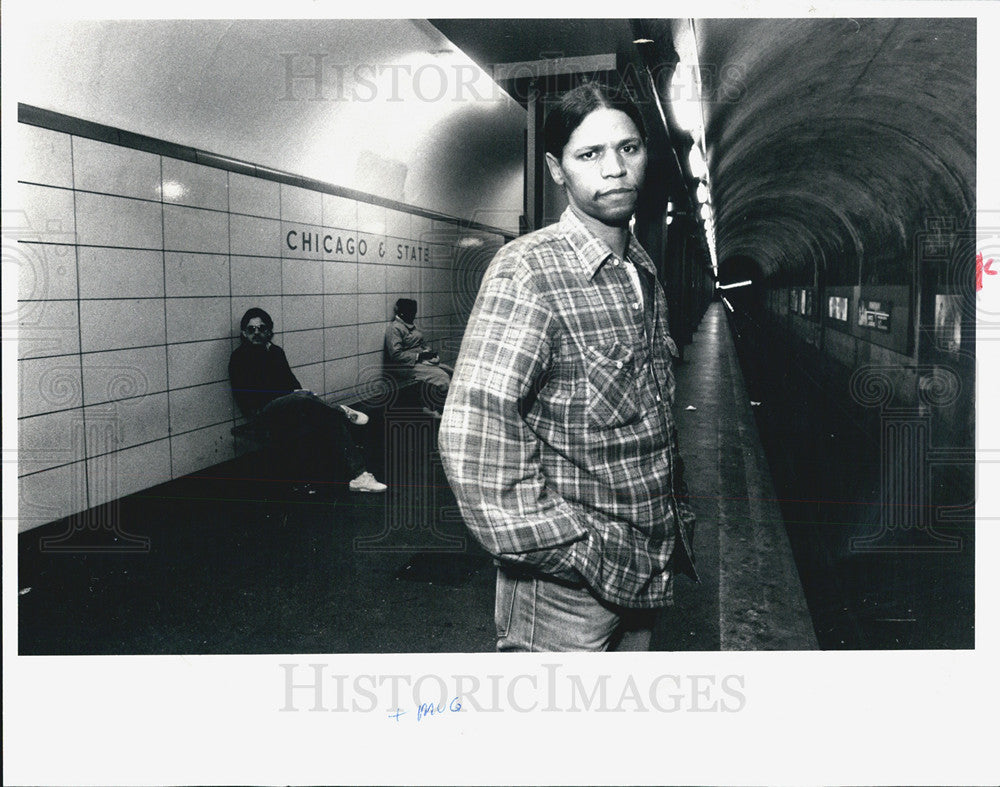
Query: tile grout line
[(128, 448), (323, 266), (166, 338), (79, 331), (423, 271)]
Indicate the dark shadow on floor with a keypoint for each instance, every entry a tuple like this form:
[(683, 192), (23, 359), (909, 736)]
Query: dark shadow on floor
[(229, 561)]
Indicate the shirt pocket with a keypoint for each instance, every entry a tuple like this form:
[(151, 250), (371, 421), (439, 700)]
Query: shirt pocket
[(612, 398)]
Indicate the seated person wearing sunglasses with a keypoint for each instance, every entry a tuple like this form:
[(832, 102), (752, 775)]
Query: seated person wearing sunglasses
[(310, 432)]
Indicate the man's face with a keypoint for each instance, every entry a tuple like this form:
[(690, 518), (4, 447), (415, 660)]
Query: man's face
[(602, 166), (257, 331)]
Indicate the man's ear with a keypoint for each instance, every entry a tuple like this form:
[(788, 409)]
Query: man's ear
[(555, 169)]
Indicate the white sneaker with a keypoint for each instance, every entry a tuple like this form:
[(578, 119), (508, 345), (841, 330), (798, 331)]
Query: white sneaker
[(366, 482), (360, 419)]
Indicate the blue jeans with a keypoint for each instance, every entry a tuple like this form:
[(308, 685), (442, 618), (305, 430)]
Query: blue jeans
[(534, 613)]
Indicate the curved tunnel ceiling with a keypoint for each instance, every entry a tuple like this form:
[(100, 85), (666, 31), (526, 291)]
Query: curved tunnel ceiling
[(832, 143)]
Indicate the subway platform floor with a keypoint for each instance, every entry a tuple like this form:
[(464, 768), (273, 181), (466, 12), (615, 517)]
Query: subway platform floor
[(226, 561)]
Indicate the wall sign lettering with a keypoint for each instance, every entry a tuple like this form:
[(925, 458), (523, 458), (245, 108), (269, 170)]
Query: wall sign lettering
[(319, 243)]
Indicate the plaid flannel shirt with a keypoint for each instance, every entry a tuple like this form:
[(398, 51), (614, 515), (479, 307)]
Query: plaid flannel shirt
[(557, 437)]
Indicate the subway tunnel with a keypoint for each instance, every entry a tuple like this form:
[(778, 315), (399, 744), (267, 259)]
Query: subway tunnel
[(810, 207)]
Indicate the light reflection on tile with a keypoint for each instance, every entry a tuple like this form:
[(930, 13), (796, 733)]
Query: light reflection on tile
[(187, 183), (111, 169)]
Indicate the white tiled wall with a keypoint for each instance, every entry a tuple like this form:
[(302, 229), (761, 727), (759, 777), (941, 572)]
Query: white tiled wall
[(135, 269)]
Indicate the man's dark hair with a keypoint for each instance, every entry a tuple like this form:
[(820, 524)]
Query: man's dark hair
[(406, 308), (575, 105), (256, 312)]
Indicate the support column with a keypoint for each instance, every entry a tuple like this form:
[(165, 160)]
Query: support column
[(535, 159)]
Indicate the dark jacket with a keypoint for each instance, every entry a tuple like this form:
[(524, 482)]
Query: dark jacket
[(259, 375)]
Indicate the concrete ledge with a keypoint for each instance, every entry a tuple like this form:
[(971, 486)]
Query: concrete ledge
[(750, 597)]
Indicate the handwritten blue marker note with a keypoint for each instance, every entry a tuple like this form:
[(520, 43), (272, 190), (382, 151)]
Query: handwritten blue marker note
[(427, 709)]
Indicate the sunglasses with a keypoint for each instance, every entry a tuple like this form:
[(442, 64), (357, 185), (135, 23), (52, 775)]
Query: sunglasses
[(257, 329)]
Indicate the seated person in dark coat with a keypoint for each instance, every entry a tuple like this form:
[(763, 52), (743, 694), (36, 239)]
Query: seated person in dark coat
[(407, 356), (310, 432)]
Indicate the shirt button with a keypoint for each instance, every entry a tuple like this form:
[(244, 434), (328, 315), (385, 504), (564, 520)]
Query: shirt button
[(617, 263), (635, 306), (658, 398), (619, 364)]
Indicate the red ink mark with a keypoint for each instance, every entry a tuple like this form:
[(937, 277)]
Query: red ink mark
[(980, 268)]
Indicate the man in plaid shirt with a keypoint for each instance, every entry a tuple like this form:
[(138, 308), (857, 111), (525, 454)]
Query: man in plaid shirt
[(557, 437)]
